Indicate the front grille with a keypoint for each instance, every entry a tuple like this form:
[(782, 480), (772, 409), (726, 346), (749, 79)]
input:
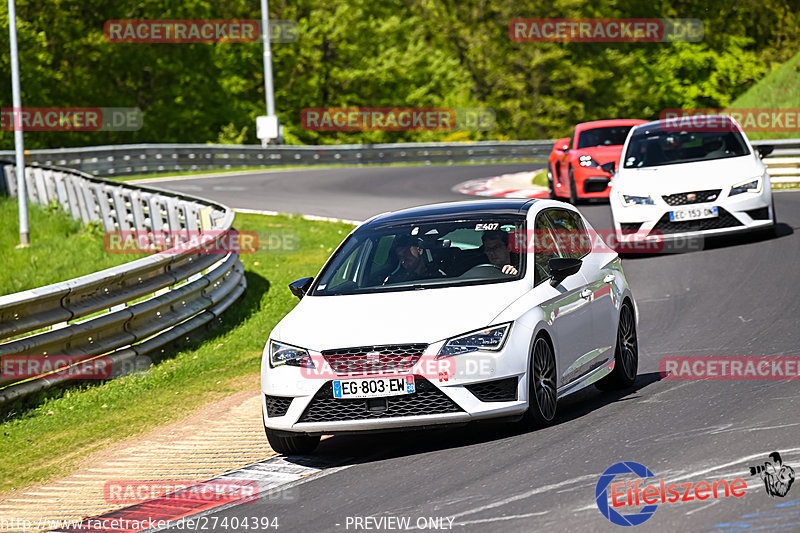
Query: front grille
[(698, 198), (595, 184), (277, 405), (630, 227), (762, 213), (499, 390), (374, 359), (427, 400), (724, 220)]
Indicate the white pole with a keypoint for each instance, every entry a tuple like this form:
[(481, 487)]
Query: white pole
[(22, 195), (267, 59)]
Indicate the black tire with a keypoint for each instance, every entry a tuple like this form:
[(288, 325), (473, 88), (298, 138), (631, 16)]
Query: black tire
[(573, 190), (542, 395), (291, 445), (550, 187), (626, 354)]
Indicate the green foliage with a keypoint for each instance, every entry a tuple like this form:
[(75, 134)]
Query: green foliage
[(429, 53), (61, 248), (231, 135), (780, 89)]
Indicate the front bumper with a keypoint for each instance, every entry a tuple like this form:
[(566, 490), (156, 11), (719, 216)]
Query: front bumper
[(739, 213), (592, 183), (439, 398)]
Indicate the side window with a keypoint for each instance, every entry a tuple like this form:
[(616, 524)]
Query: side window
[(382, 250), (572, 238), (584, 242), (544, 249)]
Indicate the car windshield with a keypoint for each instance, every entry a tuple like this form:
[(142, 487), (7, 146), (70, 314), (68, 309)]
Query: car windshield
[(423, 256), (611, 136), (650, 147)]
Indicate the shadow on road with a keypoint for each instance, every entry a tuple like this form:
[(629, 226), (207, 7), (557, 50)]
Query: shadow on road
[(380, 446), (782, 230)]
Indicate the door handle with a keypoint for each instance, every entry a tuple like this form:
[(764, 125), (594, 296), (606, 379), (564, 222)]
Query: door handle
[(586, 294), (609, 278)]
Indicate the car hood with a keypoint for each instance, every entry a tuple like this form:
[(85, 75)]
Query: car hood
[(601, 154), (671, 179), (405, 317)]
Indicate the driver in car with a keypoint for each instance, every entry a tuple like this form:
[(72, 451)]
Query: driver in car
[(495, 246), (412, 263)]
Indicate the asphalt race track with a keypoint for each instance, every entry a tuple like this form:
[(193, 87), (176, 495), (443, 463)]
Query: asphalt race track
[(738, 297)]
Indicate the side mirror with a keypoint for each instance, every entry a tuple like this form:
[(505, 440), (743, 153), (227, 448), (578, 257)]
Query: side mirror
[(299, 287), (562, 145), (609, 167), (764, 150), (562, 267)]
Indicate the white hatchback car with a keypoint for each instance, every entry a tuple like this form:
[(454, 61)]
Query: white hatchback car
[(692, 179), (438, 314)]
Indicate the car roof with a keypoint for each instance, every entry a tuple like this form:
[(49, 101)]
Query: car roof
[(453, 210), (608, 123)]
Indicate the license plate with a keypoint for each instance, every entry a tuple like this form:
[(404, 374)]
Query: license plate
[(373, 387), (693, 213)]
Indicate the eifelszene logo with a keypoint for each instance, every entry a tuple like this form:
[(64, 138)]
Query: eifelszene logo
[(777, 477), (632, 494)]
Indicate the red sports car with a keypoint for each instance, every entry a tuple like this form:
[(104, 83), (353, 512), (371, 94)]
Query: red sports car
[(574, 171)]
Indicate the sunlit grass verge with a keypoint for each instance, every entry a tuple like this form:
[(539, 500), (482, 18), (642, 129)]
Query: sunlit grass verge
[(779, 89), (46, 436), (61, 248), (540, 178)]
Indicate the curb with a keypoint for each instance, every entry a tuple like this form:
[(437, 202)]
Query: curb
[(517, 185)]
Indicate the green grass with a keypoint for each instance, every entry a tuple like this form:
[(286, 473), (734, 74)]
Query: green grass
[(46, 436), (308, 167), (61, 248), (540, 178), (779, 89)]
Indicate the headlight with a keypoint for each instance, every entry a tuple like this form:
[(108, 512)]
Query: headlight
[(587, 161), (750, 186), (490, 338), (285, 354), (628, 199)]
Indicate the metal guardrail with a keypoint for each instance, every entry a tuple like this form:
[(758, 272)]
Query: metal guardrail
[(124, 160), (131, 159), (783, 164), (126, 311)]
